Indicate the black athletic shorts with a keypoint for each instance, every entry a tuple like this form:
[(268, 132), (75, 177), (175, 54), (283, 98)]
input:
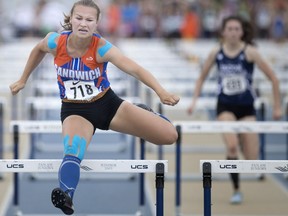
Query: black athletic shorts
[(240, 111), (100, 112)]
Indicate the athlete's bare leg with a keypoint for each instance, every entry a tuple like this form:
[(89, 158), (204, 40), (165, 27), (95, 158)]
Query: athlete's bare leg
[(133, 120)]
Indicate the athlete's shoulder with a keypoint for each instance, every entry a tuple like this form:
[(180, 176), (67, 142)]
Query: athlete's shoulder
[(52, 39), (214, 51), (251, 53), (103, 46), (251, 48)]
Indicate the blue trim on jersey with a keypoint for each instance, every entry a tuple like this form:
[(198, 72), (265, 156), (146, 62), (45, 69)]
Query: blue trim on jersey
[(104, 49), (51, 40)]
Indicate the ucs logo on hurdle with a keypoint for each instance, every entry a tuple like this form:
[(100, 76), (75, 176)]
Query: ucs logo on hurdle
[(139, 166), (228, 166), (15, 166)]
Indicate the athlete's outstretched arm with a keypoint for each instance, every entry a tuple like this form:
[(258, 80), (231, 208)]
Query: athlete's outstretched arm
[(132, 68), (36, 56), (267, 70), (204, 73)]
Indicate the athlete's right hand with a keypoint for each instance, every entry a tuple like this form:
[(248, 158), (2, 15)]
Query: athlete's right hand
[(191, 108), (16, 87)]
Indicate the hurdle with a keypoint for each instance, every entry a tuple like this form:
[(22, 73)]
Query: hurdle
[(286, 118), (218, 127), (208, 167), (159, 167), (2, 103), (92, 166)]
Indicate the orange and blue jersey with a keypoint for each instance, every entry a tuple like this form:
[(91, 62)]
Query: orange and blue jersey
[(80, 78)]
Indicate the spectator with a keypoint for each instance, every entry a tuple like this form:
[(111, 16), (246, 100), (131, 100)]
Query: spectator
[(171, 20), (47, 16), (209, 20), (23, 18), (113, 15), (148, 22), (130, 13), (278, 26), (190, 27), (263, 20)]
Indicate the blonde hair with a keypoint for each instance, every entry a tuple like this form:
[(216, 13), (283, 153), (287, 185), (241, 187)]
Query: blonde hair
[(88, 3)]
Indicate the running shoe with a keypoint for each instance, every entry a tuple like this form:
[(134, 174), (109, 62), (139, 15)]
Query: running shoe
[(236, 198), (62, 200)]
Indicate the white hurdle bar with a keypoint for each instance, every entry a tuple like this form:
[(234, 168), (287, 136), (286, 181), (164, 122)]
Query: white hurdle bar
[(90, 166), (208, 167), (232, 127)]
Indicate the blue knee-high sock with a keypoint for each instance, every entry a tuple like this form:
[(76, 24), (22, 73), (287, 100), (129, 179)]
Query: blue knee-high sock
[(69, 174)]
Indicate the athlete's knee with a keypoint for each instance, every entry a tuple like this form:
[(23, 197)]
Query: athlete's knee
[(170, 136), (76, 147)]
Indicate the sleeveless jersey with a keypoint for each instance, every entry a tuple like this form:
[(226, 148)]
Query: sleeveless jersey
[(235, 77), (83, 78)]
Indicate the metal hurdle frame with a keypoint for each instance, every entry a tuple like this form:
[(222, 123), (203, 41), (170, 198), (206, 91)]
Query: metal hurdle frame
[(2, 103), (208, 167), (159, 167)]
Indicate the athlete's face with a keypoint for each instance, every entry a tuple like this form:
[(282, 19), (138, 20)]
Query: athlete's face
[(232, 32), (84, 21)]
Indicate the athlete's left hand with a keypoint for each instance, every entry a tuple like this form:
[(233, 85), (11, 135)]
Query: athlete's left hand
[(169, 99)]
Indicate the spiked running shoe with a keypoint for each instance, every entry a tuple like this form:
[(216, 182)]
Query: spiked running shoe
[(62, 200)]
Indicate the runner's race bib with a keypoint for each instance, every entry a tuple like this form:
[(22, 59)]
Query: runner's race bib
[(80, 90), (233, 85)]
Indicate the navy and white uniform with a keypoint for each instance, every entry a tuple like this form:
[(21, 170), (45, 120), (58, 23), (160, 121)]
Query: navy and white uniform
[(235, 79)]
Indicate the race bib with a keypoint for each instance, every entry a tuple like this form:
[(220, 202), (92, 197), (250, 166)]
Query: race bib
[(80, 90), (234, 85)]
